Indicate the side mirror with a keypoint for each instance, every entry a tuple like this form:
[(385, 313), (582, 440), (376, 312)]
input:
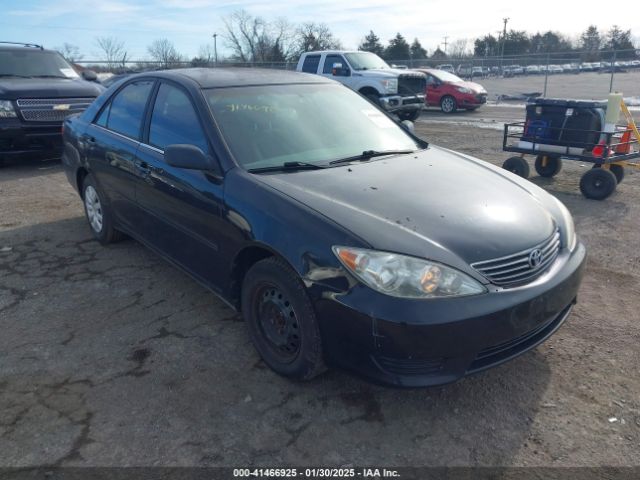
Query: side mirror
[(408, 126), (89, 75), (187, 156)]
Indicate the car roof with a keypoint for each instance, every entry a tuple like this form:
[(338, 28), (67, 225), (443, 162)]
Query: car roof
[(237, 76), (23, 48)]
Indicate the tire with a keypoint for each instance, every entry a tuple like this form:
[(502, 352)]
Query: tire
[(373, 98), (551, 168), (598, 183), (281, 320), (448, 104), (411, 116), (98, 213), (618, 171), (517, 165)]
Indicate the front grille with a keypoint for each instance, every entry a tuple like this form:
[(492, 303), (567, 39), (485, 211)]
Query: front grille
[(410, 366), (411, 84), (46, 115), (519, 267), (51, 109)]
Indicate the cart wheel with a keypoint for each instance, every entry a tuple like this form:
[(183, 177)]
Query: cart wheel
[(598, 183), (549, 168), (618, 171), (517, 165)]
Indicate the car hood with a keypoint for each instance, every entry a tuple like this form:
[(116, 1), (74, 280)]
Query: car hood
[(14, 88), (432, 204), (476, 87)]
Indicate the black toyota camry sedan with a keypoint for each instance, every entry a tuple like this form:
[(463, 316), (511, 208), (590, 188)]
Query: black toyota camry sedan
[(341, 237)]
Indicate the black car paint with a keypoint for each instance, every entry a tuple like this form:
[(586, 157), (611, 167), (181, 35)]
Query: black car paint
[(214, 224)]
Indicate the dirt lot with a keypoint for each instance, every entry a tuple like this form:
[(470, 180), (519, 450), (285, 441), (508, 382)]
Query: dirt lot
[(111, 357)]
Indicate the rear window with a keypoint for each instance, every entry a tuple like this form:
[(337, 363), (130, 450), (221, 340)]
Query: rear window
[(124, 113), (311, 63)]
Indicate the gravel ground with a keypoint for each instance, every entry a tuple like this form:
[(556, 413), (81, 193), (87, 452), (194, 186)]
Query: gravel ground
[(111, 357)]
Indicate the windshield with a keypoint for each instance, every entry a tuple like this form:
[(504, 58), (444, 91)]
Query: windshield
[(366, 61), (269, 125), (448, 77), (34, 63)]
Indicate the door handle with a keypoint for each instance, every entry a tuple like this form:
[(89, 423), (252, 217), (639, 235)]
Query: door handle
[(142, 167)]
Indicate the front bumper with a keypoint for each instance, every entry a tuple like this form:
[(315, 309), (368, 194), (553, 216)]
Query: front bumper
[(397, 103), (415, 343), (18, 139), (472, 100)]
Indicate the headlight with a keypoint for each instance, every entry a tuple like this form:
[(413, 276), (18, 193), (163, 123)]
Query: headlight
[(390, 85), (406, 277), (6, 109), (568, 231), (464, 90)]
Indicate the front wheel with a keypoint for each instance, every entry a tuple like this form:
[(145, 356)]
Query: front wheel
[(98, 213), (598, 183), (448, 104), (281, 320)]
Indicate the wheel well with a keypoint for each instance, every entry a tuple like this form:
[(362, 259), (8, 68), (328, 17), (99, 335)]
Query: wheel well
[(80, 175), (241, 265), (369, 91)]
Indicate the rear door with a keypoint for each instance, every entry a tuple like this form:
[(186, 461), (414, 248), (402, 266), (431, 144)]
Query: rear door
[(112, 142), (182, 208)]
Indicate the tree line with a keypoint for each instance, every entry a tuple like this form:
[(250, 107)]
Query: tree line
[(254, 39)]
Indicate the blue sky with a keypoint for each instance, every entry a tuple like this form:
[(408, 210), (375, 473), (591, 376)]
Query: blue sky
[(190, 23)]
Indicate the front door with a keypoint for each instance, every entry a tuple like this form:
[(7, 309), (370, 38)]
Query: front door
[(182, 208)]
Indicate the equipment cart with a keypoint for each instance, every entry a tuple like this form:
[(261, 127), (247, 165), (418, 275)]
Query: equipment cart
[(587, 131)]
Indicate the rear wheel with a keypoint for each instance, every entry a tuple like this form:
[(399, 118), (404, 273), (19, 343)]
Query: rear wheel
[(548, 166), (281, 320), (517, 165), (618, 171), (448, 104), (598, 183), (98, 213)]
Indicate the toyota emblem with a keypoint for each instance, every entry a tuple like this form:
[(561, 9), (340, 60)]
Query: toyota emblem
[(535, 258)]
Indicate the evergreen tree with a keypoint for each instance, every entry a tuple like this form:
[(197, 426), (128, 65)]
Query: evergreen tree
[(371, 43), (417, 52), (398, 49)]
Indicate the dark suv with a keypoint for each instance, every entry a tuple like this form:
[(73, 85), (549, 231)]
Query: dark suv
[(38, 90)]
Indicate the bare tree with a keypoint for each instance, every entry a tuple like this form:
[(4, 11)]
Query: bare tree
[(459, 48), (253, 39), (70, 52), (164, 52), (113, 51), (316, 36)]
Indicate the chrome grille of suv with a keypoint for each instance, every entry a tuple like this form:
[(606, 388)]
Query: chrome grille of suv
[(521, 267), (51, 109)]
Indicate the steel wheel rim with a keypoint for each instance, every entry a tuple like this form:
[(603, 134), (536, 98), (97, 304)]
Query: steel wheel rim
[(278, 322), (94, 208)]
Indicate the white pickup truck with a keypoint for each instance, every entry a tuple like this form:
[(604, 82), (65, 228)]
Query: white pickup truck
[(398, 91)]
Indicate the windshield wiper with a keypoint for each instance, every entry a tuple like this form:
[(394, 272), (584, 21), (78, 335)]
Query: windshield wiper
[(49, 76), (369, 154), (13, 75), (287, 166)]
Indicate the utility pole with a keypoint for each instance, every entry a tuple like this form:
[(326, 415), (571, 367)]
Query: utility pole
[(504, 40), (445, 44), (215, 48)]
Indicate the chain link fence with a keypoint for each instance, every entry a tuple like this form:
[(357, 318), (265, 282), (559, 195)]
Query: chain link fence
[(586, 75)]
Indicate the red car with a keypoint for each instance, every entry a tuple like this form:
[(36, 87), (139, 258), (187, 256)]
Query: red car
[(450, 92)]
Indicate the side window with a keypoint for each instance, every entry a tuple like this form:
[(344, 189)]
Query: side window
[(311, 63), (431, 80), (174, 120), (124, 114), (330, 60), (104, 116)]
